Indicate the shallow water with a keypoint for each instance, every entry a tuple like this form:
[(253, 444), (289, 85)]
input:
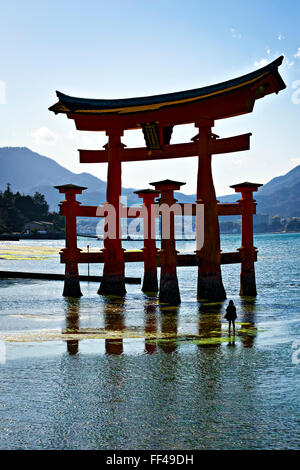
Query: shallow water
[(96, 374)]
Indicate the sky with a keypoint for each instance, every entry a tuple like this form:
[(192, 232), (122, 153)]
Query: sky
[(126, 48)]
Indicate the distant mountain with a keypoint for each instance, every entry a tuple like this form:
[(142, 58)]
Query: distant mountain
[(28, 172), (281, 196), (281, 183)]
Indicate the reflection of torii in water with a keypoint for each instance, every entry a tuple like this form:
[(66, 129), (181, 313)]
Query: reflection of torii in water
[(114, 322), (72, 308), (167, 339), (156, 116)]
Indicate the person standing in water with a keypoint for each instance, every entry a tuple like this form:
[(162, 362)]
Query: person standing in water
[(231, 315)]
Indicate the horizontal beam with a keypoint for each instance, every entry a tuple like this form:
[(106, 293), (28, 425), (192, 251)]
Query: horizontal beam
[(234, 208), (224, 209), (237, 143), (229, 209), (195, 260), (98, 257), (97, 211), (191, 149), (86, 211), (138, 256)]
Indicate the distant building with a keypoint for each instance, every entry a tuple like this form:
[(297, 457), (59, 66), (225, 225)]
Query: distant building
[(38, 226), (261, 219)]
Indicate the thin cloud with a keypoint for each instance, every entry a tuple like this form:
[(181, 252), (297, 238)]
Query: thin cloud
[(280, 37), (297, 55), (44, 136), (235, 34), (289, 63), (261, 63)]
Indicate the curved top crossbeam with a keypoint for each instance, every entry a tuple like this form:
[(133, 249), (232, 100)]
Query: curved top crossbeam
[(226, 99)]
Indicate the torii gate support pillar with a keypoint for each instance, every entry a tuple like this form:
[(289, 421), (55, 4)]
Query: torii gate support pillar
[(150, 283), (169, 288), (69, 209), (248, 251)]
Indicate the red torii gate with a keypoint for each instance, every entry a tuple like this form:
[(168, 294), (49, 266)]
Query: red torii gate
[(156, 116)]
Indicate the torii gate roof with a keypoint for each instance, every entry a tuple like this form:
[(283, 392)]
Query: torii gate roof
[(221, 100)]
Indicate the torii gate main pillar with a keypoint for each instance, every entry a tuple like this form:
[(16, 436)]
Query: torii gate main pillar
[(210, 285), (113, 280)]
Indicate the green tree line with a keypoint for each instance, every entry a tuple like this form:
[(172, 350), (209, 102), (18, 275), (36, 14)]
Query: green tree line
[(17, 209)]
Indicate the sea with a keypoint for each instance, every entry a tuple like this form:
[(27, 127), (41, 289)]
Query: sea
[(110, 373)]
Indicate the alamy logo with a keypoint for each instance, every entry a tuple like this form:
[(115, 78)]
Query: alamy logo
[(2, 92), (134, 221)]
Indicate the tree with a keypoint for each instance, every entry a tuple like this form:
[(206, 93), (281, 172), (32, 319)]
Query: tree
[(8, 194), (17, 209), (41, 205)]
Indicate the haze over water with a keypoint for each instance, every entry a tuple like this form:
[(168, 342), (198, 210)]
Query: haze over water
[(99, 374)]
